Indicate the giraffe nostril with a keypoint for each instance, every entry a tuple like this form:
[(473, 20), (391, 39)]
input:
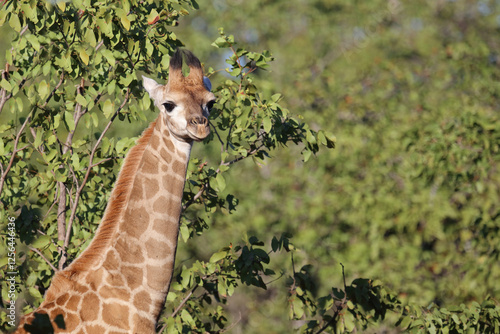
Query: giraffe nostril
[(199, 121)]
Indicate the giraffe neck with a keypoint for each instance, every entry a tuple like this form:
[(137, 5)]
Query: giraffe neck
[(142, 253)]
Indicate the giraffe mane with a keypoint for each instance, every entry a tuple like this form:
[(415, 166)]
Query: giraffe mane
[(115, 207)]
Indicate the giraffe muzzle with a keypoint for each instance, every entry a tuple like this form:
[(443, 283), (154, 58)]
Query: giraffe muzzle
[(198, 128)]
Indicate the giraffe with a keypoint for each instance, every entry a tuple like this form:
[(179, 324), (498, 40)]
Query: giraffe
[(120, 282)]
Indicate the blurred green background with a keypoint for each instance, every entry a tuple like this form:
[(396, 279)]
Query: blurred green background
[(410, 195)]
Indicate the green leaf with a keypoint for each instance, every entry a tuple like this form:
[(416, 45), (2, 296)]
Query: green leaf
[(298, 308), (84, 56), (90, 38), (108, 108), (125, 21), (153, 17), (185, 278), (34, 292), (267, 124), (222, 42), (120, 145), (349, 321), (6, 85), (109, 57), (75, 161), (310, 137), (276, 97), (218, 256), (221, 182), (306, 154), (61, 175), (61, 5), (41, 242), (184, 232), (81, 100), (187, 318), (38, 138), (15, 23), (33, 41), (69, 120), (235, 71)]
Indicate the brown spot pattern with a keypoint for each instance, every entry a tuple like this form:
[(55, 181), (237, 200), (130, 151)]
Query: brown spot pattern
[(155, 142), (133, 276), (152, 187), (114, 292), (142, 300), (91, 307), (142, 324), (112, 261), (149, 164), (165, 155), (170, 182), (178, 168), (161, 205), (116, 315), (156, 277), (129, 251), (73, 303), (135, 221), (166, 227), (62, 299), (115, 280), (153, 247)]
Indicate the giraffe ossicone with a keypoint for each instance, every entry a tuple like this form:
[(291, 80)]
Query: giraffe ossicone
[(120, 282)]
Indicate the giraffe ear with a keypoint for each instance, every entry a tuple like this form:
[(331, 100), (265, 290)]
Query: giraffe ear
[(150, 86), (207, 83)]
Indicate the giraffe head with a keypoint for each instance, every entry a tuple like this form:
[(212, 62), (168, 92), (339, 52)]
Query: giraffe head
[(185, 101)]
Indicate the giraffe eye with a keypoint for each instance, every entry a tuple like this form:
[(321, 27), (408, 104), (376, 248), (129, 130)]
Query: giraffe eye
[(169, 106), (210, 105)]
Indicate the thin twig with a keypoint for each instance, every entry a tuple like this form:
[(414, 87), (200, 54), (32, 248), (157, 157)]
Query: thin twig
[(249, 154), (198, 195), (231, 326), (50, 208), (101, 42), (103, 161), (14, 152), (52, 93), (218, 136), (178, 308), (339, 308), (4, 98), (43, 257), (184, 301)]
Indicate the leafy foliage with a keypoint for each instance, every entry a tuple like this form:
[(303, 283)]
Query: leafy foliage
[(408, 201), (71, 73)]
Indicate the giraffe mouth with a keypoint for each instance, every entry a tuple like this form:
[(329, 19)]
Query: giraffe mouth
[(198, 132), (198, 128)]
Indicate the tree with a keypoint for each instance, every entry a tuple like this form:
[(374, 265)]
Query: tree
[(70, 75), (408, 202)]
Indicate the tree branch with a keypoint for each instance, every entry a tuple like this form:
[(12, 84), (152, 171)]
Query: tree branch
[(61, 208), (184, 301), (198, 195), (14, 152), (52, 93), (43, 257), (339, 309), (180, 306)]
